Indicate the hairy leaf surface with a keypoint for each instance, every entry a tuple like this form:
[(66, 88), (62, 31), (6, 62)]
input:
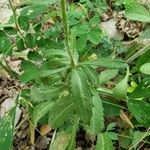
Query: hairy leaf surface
[(80, 89), (104, 142)]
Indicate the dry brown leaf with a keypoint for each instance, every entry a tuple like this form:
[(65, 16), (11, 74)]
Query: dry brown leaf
[(45, 129), (126, 119)]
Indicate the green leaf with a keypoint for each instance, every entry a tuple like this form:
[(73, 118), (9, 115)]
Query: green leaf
[(45, 73), (145, 58), (40, 111), (60, 112), (137, 136), (106, 62), (142, 90), (30, 71), (146, 34), (55, 53), (140, 110), (72, 140), (113, 136), (43, 93), (107, 75), (46, 2), (95, 20), (104, 142), (120, 90), (113, 107), (80, 93), (145, 68), (20, 44), (94, 36), (60, 142), (5, 46), (23, 23), (34, 56), (137, 12), (32, 11), (97, 119), (91, 74), (30, 40), (7, 130), (81, 43)]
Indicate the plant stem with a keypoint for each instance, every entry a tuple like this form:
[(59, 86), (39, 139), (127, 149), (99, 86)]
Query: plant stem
[(70, 49), (139, 53), (65, 23), (15, 17), (8, 70)]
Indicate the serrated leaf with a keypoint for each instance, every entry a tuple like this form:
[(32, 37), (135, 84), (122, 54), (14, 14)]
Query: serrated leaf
[(23, 23), (72, 140), (107, 75), (80, 93), (45, 73), (104, 142), (94, 36), (140, 110), (61, 141), (91, 74), (44, 93), (55, 53), (120, 90), (40, 111), (7, 130), (145, 68), (137, 12), (30, 71), (97, 119), (60, 112), (106, 62)]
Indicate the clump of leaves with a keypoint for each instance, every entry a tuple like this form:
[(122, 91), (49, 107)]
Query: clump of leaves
[(68, 92)]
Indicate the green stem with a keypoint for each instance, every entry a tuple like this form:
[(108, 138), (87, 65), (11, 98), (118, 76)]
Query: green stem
[(66, 32), (15, 17), (139, 53), (8, 70), (65, 23)]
